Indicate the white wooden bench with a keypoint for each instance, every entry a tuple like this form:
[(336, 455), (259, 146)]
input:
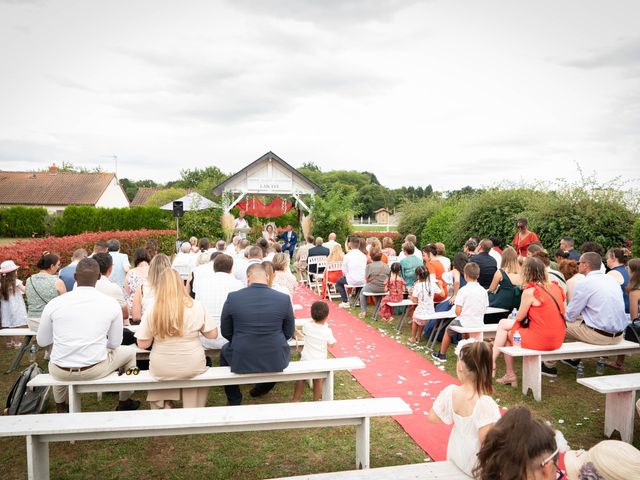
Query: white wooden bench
[(42, 429), (620, 406), (476, 332), (213, 377), (531, 359), (406, 306), (415, 471), (25, 332), (378, 298)]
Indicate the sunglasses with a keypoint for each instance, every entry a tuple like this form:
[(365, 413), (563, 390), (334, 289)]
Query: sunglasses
[(554, 458), (128, 371)]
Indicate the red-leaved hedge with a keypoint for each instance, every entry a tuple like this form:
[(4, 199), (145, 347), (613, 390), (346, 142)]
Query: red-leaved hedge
[(27, 253)]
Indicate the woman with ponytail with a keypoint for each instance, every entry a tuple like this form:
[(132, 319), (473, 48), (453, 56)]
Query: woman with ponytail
[(468, 406)]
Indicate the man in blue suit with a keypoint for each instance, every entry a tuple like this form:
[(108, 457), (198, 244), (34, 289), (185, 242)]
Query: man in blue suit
[(290, 239), (257, 321)]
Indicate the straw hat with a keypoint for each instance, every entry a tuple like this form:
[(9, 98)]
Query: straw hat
[(612, 459), (8, 266)]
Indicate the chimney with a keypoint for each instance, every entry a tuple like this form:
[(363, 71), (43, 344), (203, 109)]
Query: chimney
[(53, 170)]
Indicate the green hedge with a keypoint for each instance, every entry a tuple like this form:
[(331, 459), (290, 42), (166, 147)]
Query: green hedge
[(635, 246), (76, 220), (414, 216), (202, 223), (22, 221)]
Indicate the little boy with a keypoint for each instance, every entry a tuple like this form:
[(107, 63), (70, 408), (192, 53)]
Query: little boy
[(471, 304), (317, 336)]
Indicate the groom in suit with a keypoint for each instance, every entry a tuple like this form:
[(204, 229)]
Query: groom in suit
[(257, 321), (290, 239)]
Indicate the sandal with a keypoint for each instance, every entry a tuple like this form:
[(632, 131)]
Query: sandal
[(513, 380)]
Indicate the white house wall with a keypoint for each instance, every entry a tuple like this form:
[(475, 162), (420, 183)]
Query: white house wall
[(113, 196)]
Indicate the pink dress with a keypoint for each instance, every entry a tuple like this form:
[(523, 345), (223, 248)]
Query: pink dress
[(396, 291)]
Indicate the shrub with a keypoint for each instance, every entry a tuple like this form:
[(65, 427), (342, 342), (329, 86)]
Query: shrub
[(78, 219), (331, 213), (22, 221), (414, 216), (440, 227), (635, 246), (164, 196), (27, 253), (201, 223)]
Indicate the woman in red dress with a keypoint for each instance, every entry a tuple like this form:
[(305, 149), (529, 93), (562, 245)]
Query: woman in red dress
[(331, 276), (523, 237), (395, 286), (542, 302)]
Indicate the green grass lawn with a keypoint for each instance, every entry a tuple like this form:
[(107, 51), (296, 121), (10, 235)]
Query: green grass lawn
[(217, 456)]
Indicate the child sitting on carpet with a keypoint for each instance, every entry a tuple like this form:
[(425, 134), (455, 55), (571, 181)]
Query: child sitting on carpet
[(395, 286), (317, 336), (423, 291), (468, 406), (471, 304)]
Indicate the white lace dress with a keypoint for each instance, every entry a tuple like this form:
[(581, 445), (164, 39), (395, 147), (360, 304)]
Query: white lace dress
[(464, 442)]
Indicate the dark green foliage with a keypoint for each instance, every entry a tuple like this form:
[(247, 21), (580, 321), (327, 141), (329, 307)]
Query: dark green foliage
[(22, 221), (636, 239), (201, 223), (414, 216), (79, 219), (332, 213)]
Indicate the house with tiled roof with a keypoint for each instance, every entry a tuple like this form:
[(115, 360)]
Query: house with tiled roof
[(142, 195), (56, 190)]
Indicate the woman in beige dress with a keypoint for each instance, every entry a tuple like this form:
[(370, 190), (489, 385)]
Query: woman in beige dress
[(172, 325)]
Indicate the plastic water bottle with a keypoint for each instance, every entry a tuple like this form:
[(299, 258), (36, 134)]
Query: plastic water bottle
[(580, 370), (514, 313), (33, 350), (600, 366), (517, 339)]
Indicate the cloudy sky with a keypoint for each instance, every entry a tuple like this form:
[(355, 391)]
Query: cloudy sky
[(441, 92)]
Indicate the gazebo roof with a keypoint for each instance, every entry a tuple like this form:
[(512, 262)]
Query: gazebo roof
[(269, 174)]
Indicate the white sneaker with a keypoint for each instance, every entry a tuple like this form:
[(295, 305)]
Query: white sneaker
[(344, 305)]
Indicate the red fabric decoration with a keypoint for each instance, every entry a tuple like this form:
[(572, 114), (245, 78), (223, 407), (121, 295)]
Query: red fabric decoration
[(276, 208)]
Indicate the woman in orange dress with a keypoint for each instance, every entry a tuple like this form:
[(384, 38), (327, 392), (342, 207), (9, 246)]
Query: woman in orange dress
[(435, 267), (523, 237), (542, 302)]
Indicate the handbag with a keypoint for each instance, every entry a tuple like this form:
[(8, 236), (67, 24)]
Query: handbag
[(632, 332)]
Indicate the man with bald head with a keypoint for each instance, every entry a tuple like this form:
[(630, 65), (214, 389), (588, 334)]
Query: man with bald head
[(87, 328), (257, 321), (331, 242)]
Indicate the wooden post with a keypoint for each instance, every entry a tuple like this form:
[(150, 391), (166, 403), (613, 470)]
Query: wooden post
[(37, 458), (362, 444), (619, 413), (532, 376), (327, 387)]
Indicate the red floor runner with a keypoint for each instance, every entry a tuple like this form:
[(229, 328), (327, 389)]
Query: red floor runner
[(392, 370)]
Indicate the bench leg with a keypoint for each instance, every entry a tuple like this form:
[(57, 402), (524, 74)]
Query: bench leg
[(532, 376), (619, 413), (378, 303), (362, 444), (327, 388), (402, 317), (37, 458), (74, 400), (24, 346)]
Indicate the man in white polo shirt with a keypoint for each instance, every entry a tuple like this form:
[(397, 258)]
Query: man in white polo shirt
[(85, 328), (353, 268)]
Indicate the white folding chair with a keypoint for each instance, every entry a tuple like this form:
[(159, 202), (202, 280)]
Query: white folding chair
[(331, 286), (320, 262)]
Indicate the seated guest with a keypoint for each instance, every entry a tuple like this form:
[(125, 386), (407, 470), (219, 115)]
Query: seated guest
[(422, 294), (518, 447), (212, 292), (409, 263), (202, 268), (257, 321), (301, 256), (555, 276), (353, 270), (566, 244), (204, 245), (595, 313), (85, 350), (109, 288), (439, 256), (151, 246), (486, 262), (137, 275), (331, 242), (594, 247), (617, 261), (283, 275), (376, 243), (232, 248), (172, 325), (145, 295), (221, 246), (290, 239), (120, 262), (376, 274), (416, 251), (395, 288), (454, 277), (387, 247), (569, 268), (496, 251), (435, 268), (318, 251), (523, 237), (100, 246), (468, 406), (608, 460), (194, 245), (254, 255), (470, 247), (332, 276), (42, 287), (268, 233), (505, 288), (184, 261), (542, 305), (471, 305), (66, 273), (561, 255)]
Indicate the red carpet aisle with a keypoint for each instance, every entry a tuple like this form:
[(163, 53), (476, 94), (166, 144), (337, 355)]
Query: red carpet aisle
[(392, 371)]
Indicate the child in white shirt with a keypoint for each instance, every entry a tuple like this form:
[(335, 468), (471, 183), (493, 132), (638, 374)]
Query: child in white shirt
[(12, 308), (471, 304), (317, 337), (423, 291)]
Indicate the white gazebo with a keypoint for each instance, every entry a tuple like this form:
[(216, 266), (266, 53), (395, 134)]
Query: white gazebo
[(192, 201), (268, 175)]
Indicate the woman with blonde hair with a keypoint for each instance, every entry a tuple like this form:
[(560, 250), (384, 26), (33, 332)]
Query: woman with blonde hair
[(505, 288), (335, 255), (145, 295), (283, 275), (387, 247), (172, 325)]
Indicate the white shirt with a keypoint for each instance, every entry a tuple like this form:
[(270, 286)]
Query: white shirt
[(201, 272), (184, 263), (240, 272), (424, 294), (212, 292), (354, 266), (329, 244), (498, 257), (416, 253), (474, 302), (316, 339), (82, 325), (110, 289), (446, 263)]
